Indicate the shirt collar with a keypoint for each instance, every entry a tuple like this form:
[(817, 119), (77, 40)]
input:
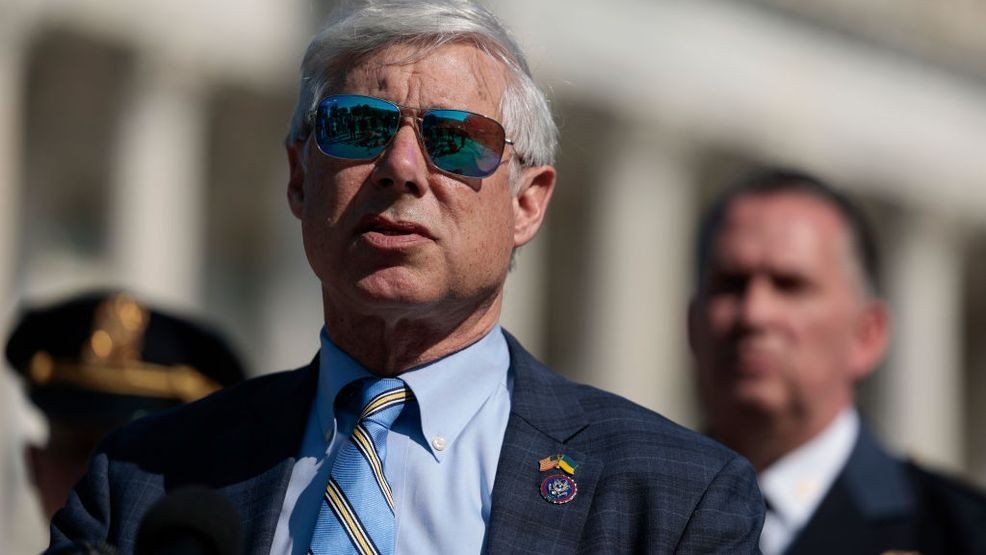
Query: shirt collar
[(336, 370), (797, 482), (449, 391)]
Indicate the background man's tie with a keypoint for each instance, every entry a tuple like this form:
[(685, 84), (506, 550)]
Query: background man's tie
[(357, 514)]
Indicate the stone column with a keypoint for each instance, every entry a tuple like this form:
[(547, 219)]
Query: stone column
[(974, 304), (22, 525), (921, 387), (524, 298), (977, 415), (12, 61), (639, 290), (159, 186), (292, 302)]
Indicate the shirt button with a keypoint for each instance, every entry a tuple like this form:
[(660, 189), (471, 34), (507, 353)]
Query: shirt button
[(439, 443)]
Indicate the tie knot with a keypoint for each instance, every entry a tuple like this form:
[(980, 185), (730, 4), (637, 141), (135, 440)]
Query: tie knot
[(381, 400)]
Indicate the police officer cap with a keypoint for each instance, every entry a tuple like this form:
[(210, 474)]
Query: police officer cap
[(107, 357)]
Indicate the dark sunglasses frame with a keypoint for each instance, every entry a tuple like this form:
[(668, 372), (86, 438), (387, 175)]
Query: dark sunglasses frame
[(319, 116)]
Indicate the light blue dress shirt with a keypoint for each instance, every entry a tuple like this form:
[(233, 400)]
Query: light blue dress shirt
[(442, 451)]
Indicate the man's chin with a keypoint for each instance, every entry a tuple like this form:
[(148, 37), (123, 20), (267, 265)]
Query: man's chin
[(396, 286), (756, 398), (388, 296), (755, 366)]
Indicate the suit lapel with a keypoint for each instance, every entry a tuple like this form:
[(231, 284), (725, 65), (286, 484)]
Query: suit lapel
[(545, 415), (877, 481), (868, 508), (269, 440)]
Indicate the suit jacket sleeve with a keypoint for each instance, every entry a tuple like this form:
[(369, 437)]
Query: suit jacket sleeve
[(729, 515), (209, 443), (85, 516)]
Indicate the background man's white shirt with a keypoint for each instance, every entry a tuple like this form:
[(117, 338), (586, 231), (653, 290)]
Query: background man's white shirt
[(795, 485)]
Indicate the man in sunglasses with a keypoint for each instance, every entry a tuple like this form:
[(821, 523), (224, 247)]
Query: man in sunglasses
[(785, 321), (420, 158)]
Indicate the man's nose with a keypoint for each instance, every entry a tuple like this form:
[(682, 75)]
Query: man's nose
[(758, 303), (403, 165)]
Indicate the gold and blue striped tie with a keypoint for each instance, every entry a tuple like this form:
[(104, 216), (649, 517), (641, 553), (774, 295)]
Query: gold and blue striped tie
[(357, 513)]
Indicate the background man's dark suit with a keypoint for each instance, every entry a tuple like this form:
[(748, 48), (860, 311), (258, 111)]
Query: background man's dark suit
[(880, 503), (644, 484)]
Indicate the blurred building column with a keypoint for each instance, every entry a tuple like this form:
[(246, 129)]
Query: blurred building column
[(639, 290), (292, 303), (159, 185), (974, 308), (13, 53), (22, 526), (524, 302), (974, 435), (921, 390)]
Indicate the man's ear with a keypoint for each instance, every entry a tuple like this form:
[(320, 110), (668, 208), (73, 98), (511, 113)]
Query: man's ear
[(531, 202), (872, 337), (296, 179)]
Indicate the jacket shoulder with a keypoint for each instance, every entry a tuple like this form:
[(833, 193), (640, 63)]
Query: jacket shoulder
[(605, 424), (626, 429), (952, 511), (658, 486), (225, 424)]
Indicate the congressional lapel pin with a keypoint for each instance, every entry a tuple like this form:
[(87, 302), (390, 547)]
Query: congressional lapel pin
[(558, 489)]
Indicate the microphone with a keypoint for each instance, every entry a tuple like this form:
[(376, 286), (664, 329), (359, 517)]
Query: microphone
[(191, 521)]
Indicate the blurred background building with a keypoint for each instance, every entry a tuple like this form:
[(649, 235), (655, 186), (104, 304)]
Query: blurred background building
[(140, 147)]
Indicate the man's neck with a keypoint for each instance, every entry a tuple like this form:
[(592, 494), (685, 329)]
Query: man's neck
[(388, 347), (764, 439)]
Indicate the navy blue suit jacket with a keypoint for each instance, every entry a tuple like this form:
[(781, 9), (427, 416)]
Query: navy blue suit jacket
[(881, 503), (645, 484)]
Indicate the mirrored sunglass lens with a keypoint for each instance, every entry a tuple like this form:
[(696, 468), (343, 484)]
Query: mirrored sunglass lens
[(355, 127), (462, 142)]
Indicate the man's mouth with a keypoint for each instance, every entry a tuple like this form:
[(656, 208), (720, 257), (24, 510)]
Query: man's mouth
[(386, 233), (755, 359)]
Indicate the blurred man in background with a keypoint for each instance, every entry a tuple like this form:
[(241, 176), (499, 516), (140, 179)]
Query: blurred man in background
[(95, 362), (785, 322)]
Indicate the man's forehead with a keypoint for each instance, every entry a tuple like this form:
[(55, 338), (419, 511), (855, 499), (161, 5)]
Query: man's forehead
[(775, 213), (449, 75), (786, 227)]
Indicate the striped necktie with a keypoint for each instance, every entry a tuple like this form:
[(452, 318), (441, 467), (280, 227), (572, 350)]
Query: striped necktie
[(357, 513)]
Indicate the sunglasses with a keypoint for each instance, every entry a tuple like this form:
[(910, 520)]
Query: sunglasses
[(357, 127)]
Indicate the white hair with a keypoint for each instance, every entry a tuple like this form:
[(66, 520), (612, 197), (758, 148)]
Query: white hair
[(360, 28)]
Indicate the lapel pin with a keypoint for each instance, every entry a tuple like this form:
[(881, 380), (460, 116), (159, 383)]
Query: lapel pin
[(563, 462), (548, 463), (558, 489), (567, 464)]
